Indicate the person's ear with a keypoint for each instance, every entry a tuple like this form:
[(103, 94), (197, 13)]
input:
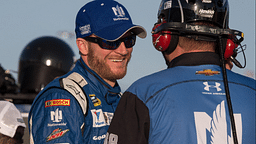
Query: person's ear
[(82, 46)]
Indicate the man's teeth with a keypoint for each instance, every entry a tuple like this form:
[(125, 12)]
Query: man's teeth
[(116, 60)]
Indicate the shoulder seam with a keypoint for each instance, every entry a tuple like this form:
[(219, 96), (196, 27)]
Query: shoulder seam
[(193, 81)]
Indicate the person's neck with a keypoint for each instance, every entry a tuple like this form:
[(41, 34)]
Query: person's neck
[(111, 83), (179, 51)]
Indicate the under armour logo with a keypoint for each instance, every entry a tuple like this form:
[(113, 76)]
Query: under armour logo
[(119, 12), (56, 116), (207, 86)]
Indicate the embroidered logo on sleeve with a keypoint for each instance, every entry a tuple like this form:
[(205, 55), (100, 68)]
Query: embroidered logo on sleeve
[(101, 118), (57, 102), (56, 116), (96, 102), (57, 133)]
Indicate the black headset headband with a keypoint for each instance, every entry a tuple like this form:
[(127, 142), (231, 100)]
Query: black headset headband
[(199, 32)]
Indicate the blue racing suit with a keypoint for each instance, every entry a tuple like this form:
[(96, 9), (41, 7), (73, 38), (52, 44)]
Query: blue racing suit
[(185, 104), (73, 109)]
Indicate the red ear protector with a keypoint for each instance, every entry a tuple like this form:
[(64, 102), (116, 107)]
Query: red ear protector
[(231, 45), (165, 37), (232, 49), (164, 41)]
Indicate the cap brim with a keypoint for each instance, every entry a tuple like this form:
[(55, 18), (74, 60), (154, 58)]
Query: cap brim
[(113, 33)]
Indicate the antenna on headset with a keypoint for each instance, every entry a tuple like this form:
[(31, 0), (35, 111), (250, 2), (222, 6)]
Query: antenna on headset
[(225, 79), (233, 57)]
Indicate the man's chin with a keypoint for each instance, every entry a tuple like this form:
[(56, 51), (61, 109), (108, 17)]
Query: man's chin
[(119, 74)]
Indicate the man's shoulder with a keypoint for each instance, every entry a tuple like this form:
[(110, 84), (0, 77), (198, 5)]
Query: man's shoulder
[(57, 83), (158, 78), (55, 89), (51, 93), (52, 87), (241, 79), (152, 83)]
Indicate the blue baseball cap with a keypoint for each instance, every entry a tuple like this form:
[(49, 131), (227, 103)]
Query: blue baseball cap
[(106, 19)]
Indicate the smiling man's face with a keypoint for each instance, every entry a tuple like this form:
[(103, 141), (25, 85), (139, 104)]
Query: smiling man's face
[(110, 65)]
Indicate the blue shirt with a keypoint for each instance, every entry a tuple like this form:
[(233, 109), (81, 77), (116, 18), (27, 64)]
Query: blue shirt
[(185, 103)]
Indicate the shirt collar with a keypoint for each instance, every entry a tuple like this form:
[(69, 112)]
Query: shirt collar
[(195, 58)]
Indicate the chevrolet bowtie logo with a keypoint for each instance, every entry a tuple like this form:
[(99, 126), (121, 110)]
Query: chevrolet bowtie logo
[(208, 72)]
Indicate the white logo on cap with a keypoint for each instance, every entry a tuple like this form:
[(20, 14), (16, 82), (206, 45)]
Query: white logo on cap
[(119, 12), (85, 29)]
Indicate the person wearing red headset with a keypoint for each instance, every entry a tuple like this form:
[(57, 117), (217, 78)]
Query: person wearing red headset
[(196, 100)]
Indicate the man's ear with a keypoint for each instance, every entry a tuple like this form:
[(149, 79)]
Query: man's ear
[(82, 46)]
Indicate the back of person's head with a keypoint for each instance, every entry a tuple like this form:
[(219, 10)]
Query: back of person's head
[(189, 44), (42, 60), (215, 12), (11, 124), (208, 13)]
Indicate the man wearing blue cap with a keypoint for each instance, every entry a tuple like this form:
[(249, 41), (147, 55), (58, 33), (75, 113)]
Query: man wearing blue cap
[(78, 107)]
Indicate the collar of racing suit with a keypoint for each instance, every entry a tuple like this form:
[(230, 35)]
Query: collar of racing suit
[(195, 58)]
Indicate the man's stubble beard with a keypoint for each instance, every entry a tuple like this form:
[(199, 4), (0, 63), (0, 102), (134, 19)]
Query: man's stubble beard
[(101, 68)]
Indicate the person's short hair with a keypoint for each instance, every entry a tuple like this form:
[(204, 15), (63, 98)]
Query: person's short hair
[(189, 44)]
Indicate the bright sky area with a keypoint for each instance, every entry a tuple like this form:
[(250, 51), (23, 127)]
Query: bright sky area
[(23, 21)]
